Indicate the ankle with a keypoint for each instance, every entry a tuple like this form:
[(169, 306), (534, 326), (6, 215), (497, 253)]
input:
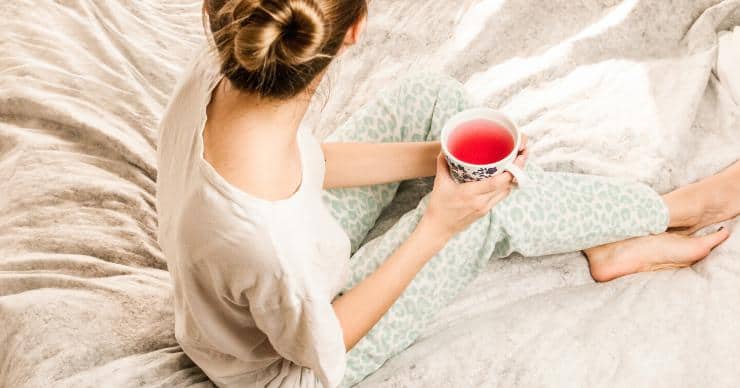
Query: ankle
[(686, 205)]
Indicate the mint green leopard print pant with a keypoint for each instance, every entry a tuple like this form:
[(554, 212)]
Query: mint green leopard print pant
[(561, 212)]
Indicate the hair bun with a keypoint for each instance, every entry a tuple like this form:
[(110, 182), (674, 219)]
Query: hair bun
[(290, 32)]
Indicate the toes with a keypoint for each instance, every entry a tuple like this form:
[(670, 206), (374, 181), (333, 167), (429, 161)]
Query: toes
[(709, 242), (713, 239)]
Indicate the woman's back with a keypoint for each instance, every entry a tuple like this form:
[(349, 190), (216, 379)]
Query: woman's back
[(238, 261)]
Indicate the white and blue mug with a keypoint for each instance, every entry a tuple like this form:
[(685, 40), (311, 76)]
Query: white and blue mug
[(467, 172)]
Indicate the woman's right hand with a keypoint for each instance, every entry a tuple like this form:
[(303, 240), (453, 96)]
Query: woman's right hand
[(451, 208), (454, 206)]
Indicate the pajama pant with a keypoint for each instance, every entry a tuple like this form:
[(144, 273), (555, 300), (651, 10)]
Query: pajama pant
[(560, 212)]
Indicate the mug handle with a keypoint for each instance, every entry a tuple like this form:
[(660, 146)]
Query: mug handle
[(522, 179)]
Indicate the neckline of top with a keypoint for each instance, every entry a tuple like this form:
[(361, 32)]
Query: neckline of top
[(228, 188)]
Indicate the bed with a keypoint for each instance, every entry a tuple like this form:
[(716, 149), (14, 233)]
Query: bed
[(637, 88)]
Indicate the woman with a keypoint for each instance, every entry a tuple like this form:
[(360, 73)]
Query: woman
[(258, 220)]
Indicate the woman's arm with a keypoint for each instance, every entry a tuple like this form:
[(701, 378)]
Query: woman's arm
[(360, 164), (451, 208), (361, 307)]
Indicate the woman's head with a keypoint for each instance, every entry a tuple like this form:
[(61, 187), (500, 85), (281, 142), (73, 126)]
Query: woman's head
[(275, 48)]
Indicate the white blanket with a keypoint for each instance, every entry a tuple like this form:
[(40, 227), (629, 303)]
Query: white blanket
[(640, 88)]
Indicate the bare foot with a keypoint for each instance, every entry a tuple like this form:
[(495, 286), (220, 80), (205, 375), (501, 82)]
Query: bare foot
[(650, 253), (713, 199)]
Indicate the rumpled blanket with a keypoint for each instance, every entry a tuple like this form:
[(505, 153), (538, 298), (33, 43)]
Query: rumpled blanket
[(638, 88)]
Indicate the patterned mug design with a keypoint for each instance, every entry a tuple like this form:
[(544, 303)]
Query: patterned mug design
[(465, 174)]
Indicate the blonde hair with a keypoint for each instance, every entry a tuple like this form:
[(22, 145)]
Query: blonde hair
[(275, 48)]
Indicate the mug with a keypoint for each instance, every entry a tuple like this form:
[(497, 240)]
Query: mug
[(467, 172)]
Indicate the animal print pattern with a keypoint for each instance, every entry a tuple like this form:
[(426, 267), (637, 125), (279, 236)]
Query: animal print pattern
[(411, 111), (560, 212)]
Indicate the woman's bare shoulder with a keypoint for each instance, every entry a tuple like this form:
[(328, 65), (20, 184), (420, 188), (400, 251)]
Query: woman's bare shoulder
[(251, 166)]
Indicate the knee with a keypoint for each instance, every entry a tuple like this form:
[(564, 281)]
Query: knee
[(429, 86), (436, 82)]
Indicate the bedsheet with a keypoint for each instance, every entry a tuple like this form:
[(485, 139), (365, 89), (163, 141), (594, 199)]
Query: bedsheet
[(638, 88)]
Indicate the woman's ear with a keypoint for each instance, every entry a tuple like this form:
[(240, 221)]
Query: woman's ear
[(353, 34)]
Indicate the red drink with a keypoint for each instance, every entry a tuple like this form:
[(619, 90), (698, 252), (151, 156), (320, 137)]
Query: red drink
[(480, 142)]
